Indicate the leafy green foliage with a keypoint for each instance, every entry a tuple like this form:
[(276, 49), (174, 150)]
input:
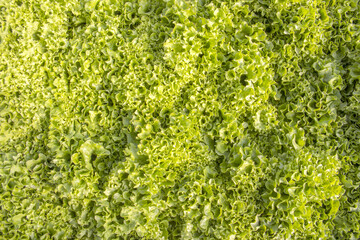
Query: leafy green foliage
[(179, 119)]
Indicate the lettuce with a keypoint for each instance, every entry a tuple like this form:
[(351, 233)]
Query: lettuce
[(176, 119)]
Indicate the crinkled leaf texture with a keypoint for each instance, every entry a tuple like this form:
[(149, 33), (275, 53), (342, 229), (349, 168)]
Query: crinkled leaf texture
[(178, 119)]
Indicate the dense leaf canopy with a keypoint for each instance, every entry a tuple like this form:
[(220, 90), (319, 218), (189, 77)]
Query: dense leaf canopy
[(179, 119)]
